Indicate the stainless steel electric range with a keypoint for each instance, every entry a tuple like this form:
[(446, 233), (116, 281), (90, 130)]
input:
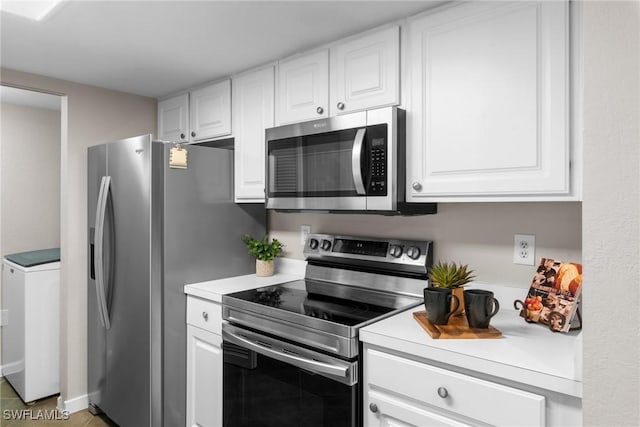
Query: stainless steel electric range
[(291, 351)]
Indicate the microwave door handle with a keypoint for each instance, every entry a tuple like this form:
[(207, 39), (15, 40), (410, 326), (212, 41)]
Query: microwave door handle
[(356, 161)]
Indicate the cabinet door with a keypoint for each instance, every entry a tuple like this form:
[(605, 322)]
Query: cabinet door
[(489, 109), (365, 72), (303, 88), (210, 111), (253, 110), (415, 392), (173, 119), (204, 378), (386, 410)]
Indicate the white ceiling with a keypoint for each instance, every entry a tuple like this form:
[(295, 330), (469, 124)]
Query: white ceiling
[(154, 48)]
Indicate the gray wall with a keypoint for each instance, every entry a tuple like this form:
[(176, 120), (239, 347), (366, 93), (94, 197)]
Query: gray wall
[(30, 168), (611, 213), (477, 234)]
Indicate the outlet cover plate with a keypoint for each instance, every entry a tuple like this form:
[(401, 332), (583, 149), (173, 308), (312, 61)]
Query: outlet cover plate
[(524, 249)]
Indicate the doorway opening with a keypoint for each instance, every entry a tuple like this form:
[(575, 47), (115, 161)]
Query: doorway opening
[(30, 161)]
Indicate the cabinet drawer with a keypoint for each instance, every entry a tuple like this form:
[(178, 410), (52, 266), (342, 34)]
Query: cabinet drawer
[(204, 314), (453, 393)]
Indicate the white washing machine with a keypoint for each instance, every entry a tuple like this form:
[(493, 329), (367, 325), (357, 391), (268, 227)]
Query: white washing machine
[(31, 333)]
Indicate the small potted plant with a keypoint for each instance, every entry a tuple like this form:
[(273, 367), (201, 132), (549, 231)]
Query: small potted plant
[(451, 276), (264, 252)]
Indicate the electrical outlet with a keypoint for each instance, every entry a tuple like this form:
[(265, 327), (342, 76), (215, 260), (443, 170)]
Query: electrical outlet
[(524, 249), (304, 232)]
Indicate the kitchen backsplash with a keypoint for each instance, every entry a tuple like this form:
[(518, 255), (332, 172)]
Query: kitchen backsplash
[(478, 234)]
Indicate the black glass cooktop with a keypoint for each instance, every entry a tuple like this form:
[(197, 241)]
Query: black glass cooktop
[(310, 298)]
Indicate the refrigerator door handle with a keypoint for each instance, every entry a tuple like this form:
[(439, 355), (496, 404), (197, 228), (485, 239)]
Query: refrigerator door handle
[(99, 243)]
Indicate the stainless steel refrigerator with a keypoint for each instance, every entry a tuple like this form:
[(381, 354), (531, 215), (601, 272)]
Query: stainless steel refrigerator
[(154, 227)]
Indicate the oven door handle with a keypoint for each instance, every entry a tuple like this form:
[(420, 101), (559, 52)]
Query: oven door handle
[(339, 372), (356, 161)]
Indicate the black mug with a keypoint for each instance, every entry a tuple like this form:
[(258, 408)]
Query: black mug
[(437, 301), (480, 306)]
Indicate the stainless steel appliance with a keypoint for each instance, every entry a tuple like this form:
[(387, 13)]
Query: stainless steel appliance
[(291, 351), (153, 228), (355, 162)]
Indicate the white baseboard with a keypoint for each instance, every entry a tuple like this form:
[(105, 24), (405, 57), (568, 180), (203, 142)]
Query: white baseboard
[(11, 368), (73, 405)]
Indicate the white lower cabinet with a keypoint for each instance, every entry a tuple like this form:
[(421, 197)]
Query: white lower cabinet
[(204, 364), (403, 392)]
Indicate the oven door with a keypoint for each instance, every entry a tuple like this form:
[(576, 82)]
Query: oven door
[(268, 382)]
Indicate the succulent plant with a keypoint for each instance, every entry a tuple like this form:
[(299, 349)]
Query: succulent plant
[(450, 275)]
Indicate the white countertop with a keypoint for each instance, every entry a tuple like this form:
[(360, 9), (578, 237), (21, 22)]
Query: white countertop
[(527, 353), (287, 270)]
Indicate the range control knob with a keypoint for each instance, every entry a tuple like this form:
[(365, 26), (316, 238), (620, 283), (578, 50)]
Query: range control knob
[(395, 251), (413, 252), (313, 243), (326, 244)]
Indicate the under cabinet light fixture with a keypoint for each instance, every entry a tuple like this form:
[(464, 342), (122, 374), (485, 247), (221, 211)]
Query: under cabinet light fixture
[(34, 10)]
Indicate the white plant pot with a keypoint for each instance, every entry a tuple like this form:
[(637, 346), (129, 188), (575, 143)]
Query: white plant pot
[(264, 268)]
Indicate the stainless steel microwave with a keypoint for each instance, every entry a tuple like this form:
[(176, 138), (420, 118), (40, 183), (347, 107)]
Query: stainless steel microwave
[(350, 163)]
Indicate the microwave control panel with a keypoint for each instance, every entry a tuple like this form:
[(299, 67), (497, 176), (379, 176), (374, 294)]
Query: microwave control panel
[(377, 167)]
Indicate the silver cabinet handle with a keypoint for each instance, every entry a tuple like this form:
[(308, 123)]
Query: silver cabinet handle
[(442, 392), (373, 407), (319, 110), (340, 105), (356, 161), (205, 316), (416, 186)]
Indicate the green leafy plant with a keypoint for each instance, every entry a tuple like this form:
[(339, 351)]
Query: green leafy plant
[(262, 249), (450, 275)]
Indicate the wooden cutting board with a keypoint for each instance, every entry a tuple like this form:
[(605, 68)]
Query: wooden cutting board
[(457, 328)]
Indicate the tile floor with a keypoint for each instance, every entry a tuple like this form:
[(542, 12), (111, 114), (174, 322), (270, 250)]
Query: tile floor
[(11, 405)]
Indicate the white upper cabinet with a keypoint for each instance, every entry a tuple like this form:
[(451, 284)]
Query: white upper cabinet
[(253, 112), (200, 115), (358, 74), (173, 119), (303, 92), (489, 108), (210, 111), (365, 72)]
